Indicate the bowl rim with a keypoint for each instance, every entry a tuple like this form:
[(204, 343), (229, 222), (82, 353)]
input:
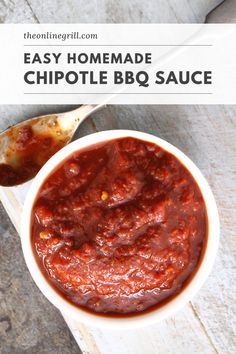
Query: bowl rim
[(142, 319)]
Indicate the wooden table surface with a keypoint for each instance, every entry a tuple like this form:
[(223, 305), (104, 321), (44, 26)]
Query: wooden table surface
[(28, 323), (102, 11)]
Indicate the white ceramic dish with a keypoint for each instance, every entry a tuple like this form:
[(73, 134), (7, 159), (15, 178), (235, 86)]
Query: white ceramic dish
[(156, 314)]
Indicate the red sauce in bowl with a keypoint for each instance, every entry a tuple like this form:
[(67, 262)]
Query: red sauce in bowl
[(119, 227)]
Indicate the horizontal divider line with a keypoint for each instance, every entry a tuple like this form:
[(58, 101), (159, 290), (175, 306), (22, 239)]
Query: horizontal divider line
[(118, 93), (118, 45)]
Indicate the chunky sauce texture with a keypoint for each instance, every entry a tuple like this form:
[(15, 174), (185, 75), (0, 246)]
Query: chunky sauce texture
[(119, 227)]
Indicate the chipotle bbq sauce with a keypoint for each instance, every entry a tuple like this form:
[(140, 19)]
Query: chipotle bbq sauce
[(119, 227)]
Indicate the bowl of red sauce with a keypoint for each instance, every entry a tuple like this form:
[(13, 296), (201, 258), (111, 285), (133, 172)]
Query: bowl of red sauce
[(119, 229)]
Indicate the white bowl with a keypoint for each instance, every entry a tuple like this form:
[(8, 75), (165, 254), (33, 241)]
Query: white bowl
[(154, 315)]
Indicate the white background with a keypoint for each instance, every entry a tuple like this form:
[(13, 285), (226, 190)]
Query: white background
[(173, 47)]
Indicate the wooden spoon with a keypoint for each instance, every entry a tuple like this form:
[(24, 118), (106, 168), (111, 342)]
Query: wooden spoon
[(26, 146)]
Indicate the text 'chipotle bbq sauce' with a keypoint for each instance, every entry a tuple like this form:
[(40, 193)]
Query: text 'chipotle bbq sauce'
[(119, 227)]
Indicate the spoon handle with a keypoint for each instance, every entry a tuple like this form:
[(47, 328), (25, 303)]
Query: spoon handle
[(223, 13), (71, 120)]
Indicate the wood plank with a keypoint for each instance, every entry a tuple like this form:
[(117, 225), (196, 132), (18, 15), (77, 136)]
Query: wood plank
[(181, 333)]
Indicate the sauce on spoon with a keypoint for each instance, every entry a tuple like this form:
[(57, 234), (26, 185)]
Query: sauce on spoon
[(28, 150)]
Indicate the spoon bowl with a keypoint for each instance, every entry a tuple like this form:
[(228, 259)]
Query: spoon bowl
[(26, 146)]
